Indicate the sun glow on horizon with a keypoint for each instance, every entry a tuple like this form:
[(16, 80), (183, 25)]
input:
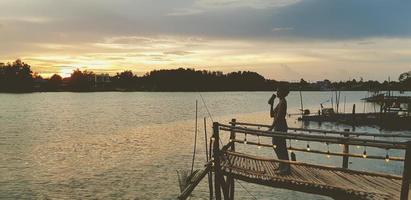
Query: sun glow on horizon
[(276, 60)]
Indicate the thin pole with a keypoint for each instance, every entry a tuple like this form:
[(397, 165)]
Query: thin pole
[(336, 101), (205, 138), (389, 86), (301, 102), (195, 140), (338, 105), (345, 101)]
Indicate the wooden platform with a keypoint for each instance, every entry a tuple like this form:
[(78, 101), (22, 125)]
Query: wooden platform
[(341, 183), (337, 183)]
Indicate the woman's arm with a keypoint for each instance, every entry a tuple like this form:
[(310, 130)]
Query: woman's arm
[(272, 112)]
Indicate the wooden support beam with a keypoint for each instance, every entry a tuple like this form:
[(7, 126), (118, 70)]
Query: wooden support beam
[(193, 183), (216, 161), (230, 178), (406, 176), (224, 186), (210, 174), (346, 151)]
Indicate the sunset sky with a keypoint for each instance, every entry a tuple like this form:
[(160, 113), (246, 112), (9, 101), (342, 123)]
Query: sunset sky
[(280, 39)]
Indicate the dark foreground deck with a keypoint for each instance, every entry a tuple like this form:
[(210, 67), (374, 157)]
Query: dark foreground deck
[(337, 183)]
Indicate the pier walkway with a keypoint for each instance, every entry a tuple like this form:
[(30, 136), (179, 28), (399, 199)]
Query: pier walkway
[(228, 165), (315, 179)]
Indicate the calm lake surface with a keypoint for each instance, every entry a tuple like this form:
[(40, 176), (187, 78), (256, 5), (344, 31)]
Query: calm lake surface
[(129, 145)]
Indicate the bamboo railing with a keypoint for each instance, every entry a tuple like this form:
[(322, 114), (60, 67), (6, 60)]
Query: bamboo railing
[(344, 138)]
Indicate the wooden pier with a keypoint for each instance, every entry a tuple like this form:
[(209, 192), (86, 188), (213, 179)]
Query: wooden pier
[(228, 165)]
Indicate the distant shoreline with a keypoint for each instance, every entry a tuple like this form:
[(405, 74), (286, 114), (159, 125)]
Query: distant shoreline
[(17, 77), (177, 91)]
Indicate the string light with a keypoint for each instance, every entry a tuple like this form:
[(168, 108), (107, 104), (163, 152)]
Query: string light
[(212, 138), (245, 138), (259, 147), (274, 146), (387, 157), (364, 154), (308, 146), (328, 150)]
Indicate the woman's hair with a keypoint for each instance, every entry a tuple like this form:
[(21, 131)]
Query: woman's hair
[(283, 90)]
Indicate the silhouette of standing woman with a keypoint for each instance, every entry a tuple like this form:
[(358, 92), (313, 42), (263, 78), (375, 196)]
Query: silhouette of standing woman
[(280, 124)]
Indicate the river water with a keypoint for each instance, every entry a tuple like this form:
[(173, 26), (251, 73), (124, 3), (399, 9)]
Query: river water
[(116, 145)]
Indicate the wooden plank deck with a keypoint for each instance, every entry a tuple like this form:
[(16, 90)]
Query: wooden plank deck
[(337, 183)]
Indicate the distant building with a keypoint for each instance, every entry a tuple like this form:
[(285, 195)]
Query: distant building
[(101, 80), (324, 85)]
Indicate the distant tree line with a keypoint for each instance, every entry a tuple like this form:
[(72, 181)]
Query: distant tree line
[(18, 77)]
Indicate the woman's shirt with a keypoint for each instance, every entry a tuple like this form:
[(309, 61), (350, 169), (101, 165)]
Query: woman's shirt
[(280, 111)]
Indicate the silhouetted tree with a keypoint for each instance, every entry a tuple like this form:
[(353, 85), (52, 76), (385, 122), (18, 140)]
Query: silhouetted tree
[(16, 77), (125, 79), (405, 80), (54, 82), (81, 80)]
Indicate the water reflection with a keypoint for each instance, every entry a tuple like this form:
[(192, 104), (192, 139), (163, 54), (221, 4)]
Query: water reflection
[(129, 145)]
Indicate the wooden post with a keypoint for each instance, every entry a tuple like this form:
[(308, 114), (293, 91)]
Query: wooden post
[(216, 156), (336, 101), (230, 180), (301, 104), (345, 101), (210, 174), (346, 150), (406, 175), (353, 114)]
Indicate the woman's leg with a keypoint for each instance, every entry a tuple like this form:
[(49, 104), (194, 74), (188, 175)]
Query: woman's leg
[(281, 149), (282, 153)]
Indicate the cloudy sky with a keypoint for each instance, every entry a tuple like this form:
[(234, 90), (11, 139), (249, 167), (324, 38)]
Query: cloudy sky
[(281, 39)]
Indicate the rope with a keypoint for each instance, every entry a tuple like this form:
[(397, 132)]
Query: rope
[(195, 141), (205, 105), (211, 117), (246, 189)]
